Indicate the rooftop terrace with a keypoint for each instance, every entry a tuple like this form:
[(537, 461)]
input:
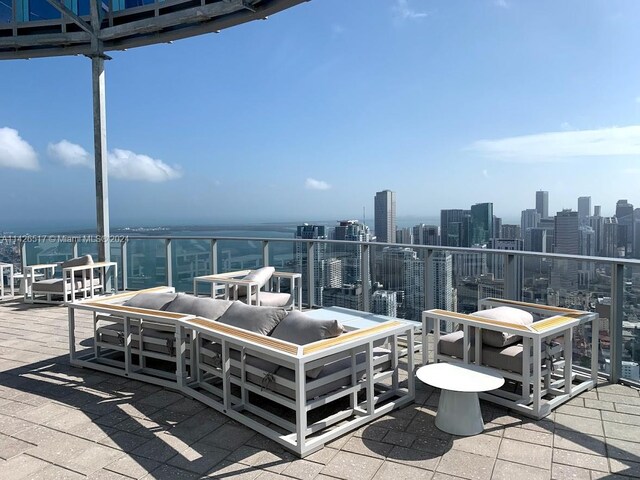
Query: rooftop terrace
[(57, 421)]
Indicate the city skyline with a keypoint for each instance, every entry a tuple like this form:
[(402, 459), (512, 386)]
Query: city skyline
[(447, 131)]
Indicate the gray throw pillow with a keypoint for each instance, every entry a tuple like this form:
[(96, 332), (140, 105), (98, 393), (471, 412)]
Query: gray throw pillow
[(152, 301), (260, 276), (201, 307), (79, 262), (504, 315), (254, 319), (301, 329)]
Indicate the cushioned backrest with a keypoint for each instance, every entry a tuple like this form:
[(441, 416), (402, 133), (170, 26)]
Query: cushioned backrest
[(202, 307), (261, 276), (255, 319), (152, 301), (505, 315), (78, 262)]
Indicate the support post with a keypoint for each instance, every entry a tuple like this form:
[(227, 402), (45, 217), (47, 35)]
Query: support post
[(511, 273), (310, 276), (615, 326), (265, 253), (169, 259), (364, 268)]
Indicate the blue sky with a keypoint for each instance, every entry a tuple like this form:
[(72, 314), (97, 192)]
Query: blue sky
[(305, 116)]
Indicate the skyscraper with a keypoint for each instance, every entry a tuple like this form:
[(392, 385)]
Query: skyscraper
[(542, 203), (455, 228), (529, 219), (566, 240), (385, 216), (399, 269), (481, 223), (584, 210), (426, 234), (624, 214), (327, 271)]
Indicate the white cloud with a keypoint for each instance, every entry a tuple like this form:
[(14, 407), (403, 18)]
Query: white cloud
[(403, 11), (313, 184), (69, 154), (123, 164), (638, 99), (485, 173), (127, 165), (556, 146), (15, 152), (566, 126)]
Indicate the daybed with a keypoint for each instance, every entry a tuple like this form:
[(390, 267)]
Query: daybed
[(81, 277), (530, 345), (297, 380), (264, 285)]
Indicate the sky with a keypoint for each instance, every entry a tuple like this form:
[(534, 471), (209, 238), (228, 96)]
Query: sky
[(306, 115)]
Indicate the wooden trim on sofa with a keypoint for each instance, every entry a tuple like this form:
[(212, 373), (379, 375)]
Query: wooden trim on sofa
[(135, 310), (346, 337), (473, 318)]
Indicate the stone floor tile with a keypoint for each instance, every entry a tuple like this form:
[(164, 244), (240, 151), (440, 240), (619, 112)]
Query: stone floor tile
[(94, 458), (525, 453), (545, 425), (402, 439), (630, 469), (579, 442), (393, 470), (370, 448), (167, 472), (630, 409), (607, 476), (199, 458), (466, 465), (372, 432), (624, 399), (11, 447), (433, 445), (351, 466), (584, 460), (599, 404), (625, 418), (133, 466), (579, 411), (124, 441), (235, 471), (579, 424), (22, 466), (486, 445), (274, 462), (530, 436), (161, 448), (623, 450), (302, 469), (567, 472), (415, 458), (106, 475), (618, 389), (508, 471), (340, 441), (57, 473), (621, 431), (229, 436), (322, 456), (12, 425)]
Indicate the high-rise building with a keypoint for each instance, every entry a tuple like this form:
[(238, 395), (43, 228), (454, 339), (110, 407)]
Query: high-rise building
[(385, 216), (564, 275), (597, 210), (596, 222), (347, 296), (327, 270), (440, 291), (350, 255), (399, 269), (404, 236), (511, 232), (624, 214), (497, 263), (455, 228), (610, 231), (384, 302), (426, 234), (584, 210), (542, 203), (529, 219), (538, 240), (497, 227), (481, 223)]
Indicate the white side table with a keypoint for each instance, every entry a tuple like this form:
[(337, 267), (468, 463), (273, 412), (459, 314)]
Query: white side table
[(459, 408), (3, 267)]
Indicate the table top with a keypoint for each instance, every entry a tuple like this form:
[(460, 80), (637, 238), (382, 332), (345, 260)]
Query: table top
[(354, 319), (460, 377)]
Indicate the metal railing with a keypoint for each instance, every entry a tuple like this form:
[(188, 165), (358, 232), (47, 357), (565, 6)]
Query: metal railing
[(135, 259)]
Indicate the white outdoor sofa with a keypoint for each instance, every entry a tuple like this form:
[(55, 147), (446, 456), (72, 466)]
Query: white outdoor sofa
[(537, 360), (299, 395), (81, 277)]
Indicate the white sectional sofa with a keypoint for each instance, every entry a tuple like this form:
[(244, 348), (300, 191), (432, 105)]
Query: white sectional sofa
[(297, 380)]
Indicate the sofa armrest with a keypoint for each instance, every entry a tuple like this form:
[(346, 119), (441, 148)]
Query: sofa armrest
[(350, 336), (478, 321)]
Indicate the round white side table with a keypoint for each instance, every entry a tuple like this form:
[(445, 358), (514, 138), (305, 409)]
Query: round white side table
[(459, 408)]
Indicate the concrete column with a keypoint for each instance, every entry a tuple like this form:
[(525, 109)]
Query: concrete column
[(100, 155)]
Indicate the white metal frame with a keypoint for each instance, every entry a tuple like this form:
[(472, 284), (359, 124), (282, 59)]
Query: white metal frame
[(8, 266), (548, 378), (373, 385), (228, 284), (92, 287)]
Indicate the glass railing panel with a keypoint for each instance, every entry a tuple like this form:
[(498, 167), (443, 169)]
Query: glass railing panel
[(338, 276), (190, 258), (469, 272), (41, 10), (6, 12), (282, 256), (236, 255), (48, 252), (630, 368), (146, 263), (115, 249)]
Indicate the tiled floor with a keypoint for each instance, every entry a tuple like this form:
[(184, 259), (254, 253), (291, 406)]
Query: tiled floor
[(61, 422)]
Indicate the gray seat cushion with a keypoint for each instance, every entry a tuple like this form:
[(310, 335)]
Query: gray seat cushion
[(78, 262), (209, 308), (506, 358), (56, 285), (505, 315), (254, 319), (159, 341), (275, 299), (152, 300)]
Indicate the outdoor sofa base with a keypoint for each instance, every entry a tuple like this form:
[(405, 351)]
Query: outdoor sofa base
[(540, 370), (301, 396)]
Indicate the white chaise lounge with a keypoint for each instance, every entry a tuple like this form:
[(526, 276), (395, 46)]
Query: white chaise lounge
[(299, 381)]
